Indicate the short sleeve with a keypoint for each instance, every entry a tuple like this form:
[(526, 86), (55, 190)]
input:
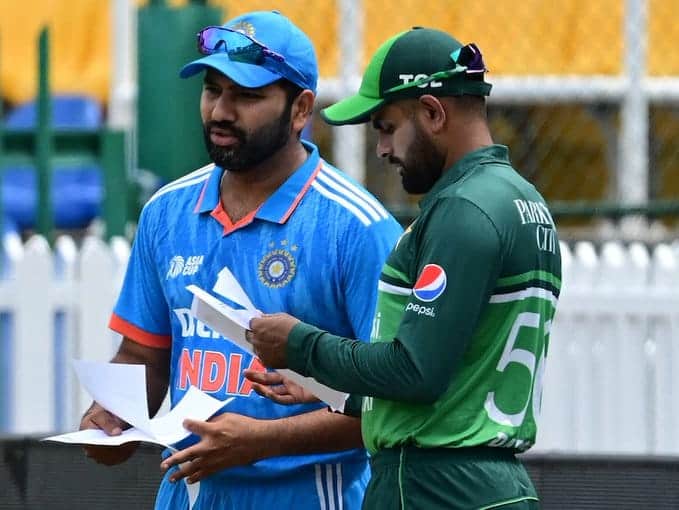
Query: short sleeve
[(141, 312)]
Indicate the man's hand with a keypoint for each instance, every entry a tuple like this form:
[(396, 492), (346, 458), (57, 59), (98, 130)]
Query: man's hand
[(96, 417), (274, 386), (269, 338), (227, 440)]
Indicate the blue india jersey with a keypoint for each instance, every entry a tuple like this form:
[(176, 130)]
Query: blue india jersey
[(313, 249)]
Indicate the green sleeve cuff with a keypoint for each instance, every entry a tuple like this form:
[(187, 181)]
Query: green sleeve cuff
[(297, 348)]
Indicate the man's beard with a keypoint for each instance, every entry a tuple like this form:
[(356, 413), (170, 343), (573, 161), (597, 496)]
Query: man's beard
[(253, 147), (423, 164)]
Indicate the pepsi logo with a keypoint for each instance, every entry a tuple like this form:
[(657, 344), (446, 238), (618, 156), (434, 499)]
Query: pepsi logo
[(431, 283)]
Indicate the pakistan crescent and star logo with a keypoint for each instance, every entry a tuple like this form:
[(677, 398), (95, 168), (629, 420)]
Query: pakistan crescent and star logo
[(278, 267)]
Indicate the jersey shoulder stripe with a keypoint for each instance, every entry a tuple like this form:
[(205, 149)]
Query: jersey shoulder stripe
[(527, 277), (339, 181), (520, 295), (396, 276), (347, 194), (343, 202), (536, 279), (196, 177), (393, 289)]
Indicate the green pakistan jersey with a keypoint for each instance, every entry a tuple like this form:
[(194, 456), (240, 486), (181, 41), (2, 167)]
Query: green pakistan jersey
[(461, 328)]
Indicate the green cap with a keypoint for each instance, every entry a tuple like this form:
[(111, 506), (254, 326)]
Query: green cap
[(408, 65)]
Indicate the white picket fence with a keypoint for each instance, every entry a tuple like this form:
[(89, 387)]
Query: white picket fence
[(612, 365), (54, 306)]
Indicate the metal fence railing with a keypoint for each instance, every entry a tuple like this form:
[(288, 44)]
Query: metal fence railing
[(47, 475)]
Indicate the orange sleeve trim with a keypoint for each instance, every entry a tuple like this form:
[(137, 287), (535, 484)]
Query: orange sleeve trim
[(138, 335)]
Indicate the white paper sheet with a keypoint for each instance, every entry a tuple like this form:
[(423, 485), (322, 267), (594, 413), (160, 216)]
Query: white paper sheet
[(228, 287), (121, 389), (118, 387), (232, 324)]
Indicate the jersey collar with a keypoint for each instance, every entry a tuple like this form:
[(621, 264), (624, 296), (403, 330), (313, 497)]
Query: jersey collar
[(469, 162), (277, 208)]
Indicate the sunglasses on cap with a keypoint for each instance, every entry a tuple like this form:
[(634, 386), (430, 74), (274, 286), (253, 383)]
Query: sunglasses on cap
[(467, 59), (240, 47)]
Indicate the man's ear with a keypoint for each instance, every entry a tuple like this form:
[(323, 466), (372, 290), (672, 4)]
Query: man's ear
[(433, 113), (302, 108)]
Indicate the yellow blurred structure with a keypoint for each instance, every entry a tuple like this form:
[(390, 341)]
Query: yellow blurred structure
[(567, 149), (532, 37), (80, 46)]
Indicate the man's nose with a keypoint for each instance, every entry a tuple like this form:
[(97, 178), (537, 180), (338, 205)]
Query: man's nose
[(383, 149), (223, 110)]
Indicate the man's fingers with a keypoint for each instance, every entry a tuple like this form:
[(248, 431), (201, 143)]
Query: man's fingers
[(107, 422), (185, 469), (276, 393), (178, 458), (267, 378), (264, 391), (255, 322), (197, 427), (197, 476)]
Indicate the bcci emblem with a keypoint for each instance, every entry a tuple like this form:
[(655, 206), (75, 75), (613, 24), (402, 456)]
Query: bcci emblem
[(244, 27), (277, 268)]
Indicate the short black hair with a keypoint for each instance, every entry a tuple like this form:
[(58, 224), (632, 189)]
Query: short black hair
[(291, 92), (471, 103)]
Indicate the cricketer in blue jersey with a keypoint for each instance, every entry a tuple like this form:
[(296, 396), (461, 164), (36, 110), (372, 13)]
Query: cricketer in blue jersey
[(298, 234)]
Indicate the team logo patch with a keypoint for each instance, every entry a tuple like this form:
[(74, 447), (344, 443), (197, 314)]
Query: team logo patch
[(176, 267), (186, 267), (431, 283), (244, 27), (277, 268)]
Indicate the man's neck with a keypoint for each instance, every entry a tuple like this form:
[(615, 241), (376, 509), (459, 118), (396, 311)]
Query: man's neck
[(476, 136), (244, 191)]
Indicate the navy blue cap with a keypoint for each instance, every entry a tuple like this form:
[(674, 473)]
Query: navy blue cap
[(277, 33)]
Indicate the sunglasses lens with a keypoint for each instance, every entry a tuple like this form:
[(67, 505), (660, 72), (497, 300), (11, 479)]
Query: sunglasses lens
[(470, 56), (242, 48), (209, 41), (219, 40)]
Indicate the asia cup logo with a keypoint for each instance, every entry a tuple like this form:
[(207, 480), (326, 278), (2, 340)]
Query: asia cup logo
[(176, 267), (431, 283)]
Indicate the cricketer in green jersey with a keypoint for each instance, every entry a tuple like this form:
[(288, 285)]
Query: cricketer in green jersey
[(452, 379)]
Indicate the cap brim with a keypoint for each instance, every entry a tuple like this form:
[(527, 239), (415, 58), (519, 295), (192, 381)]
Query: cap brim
[(245, 75), (352, 110)]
